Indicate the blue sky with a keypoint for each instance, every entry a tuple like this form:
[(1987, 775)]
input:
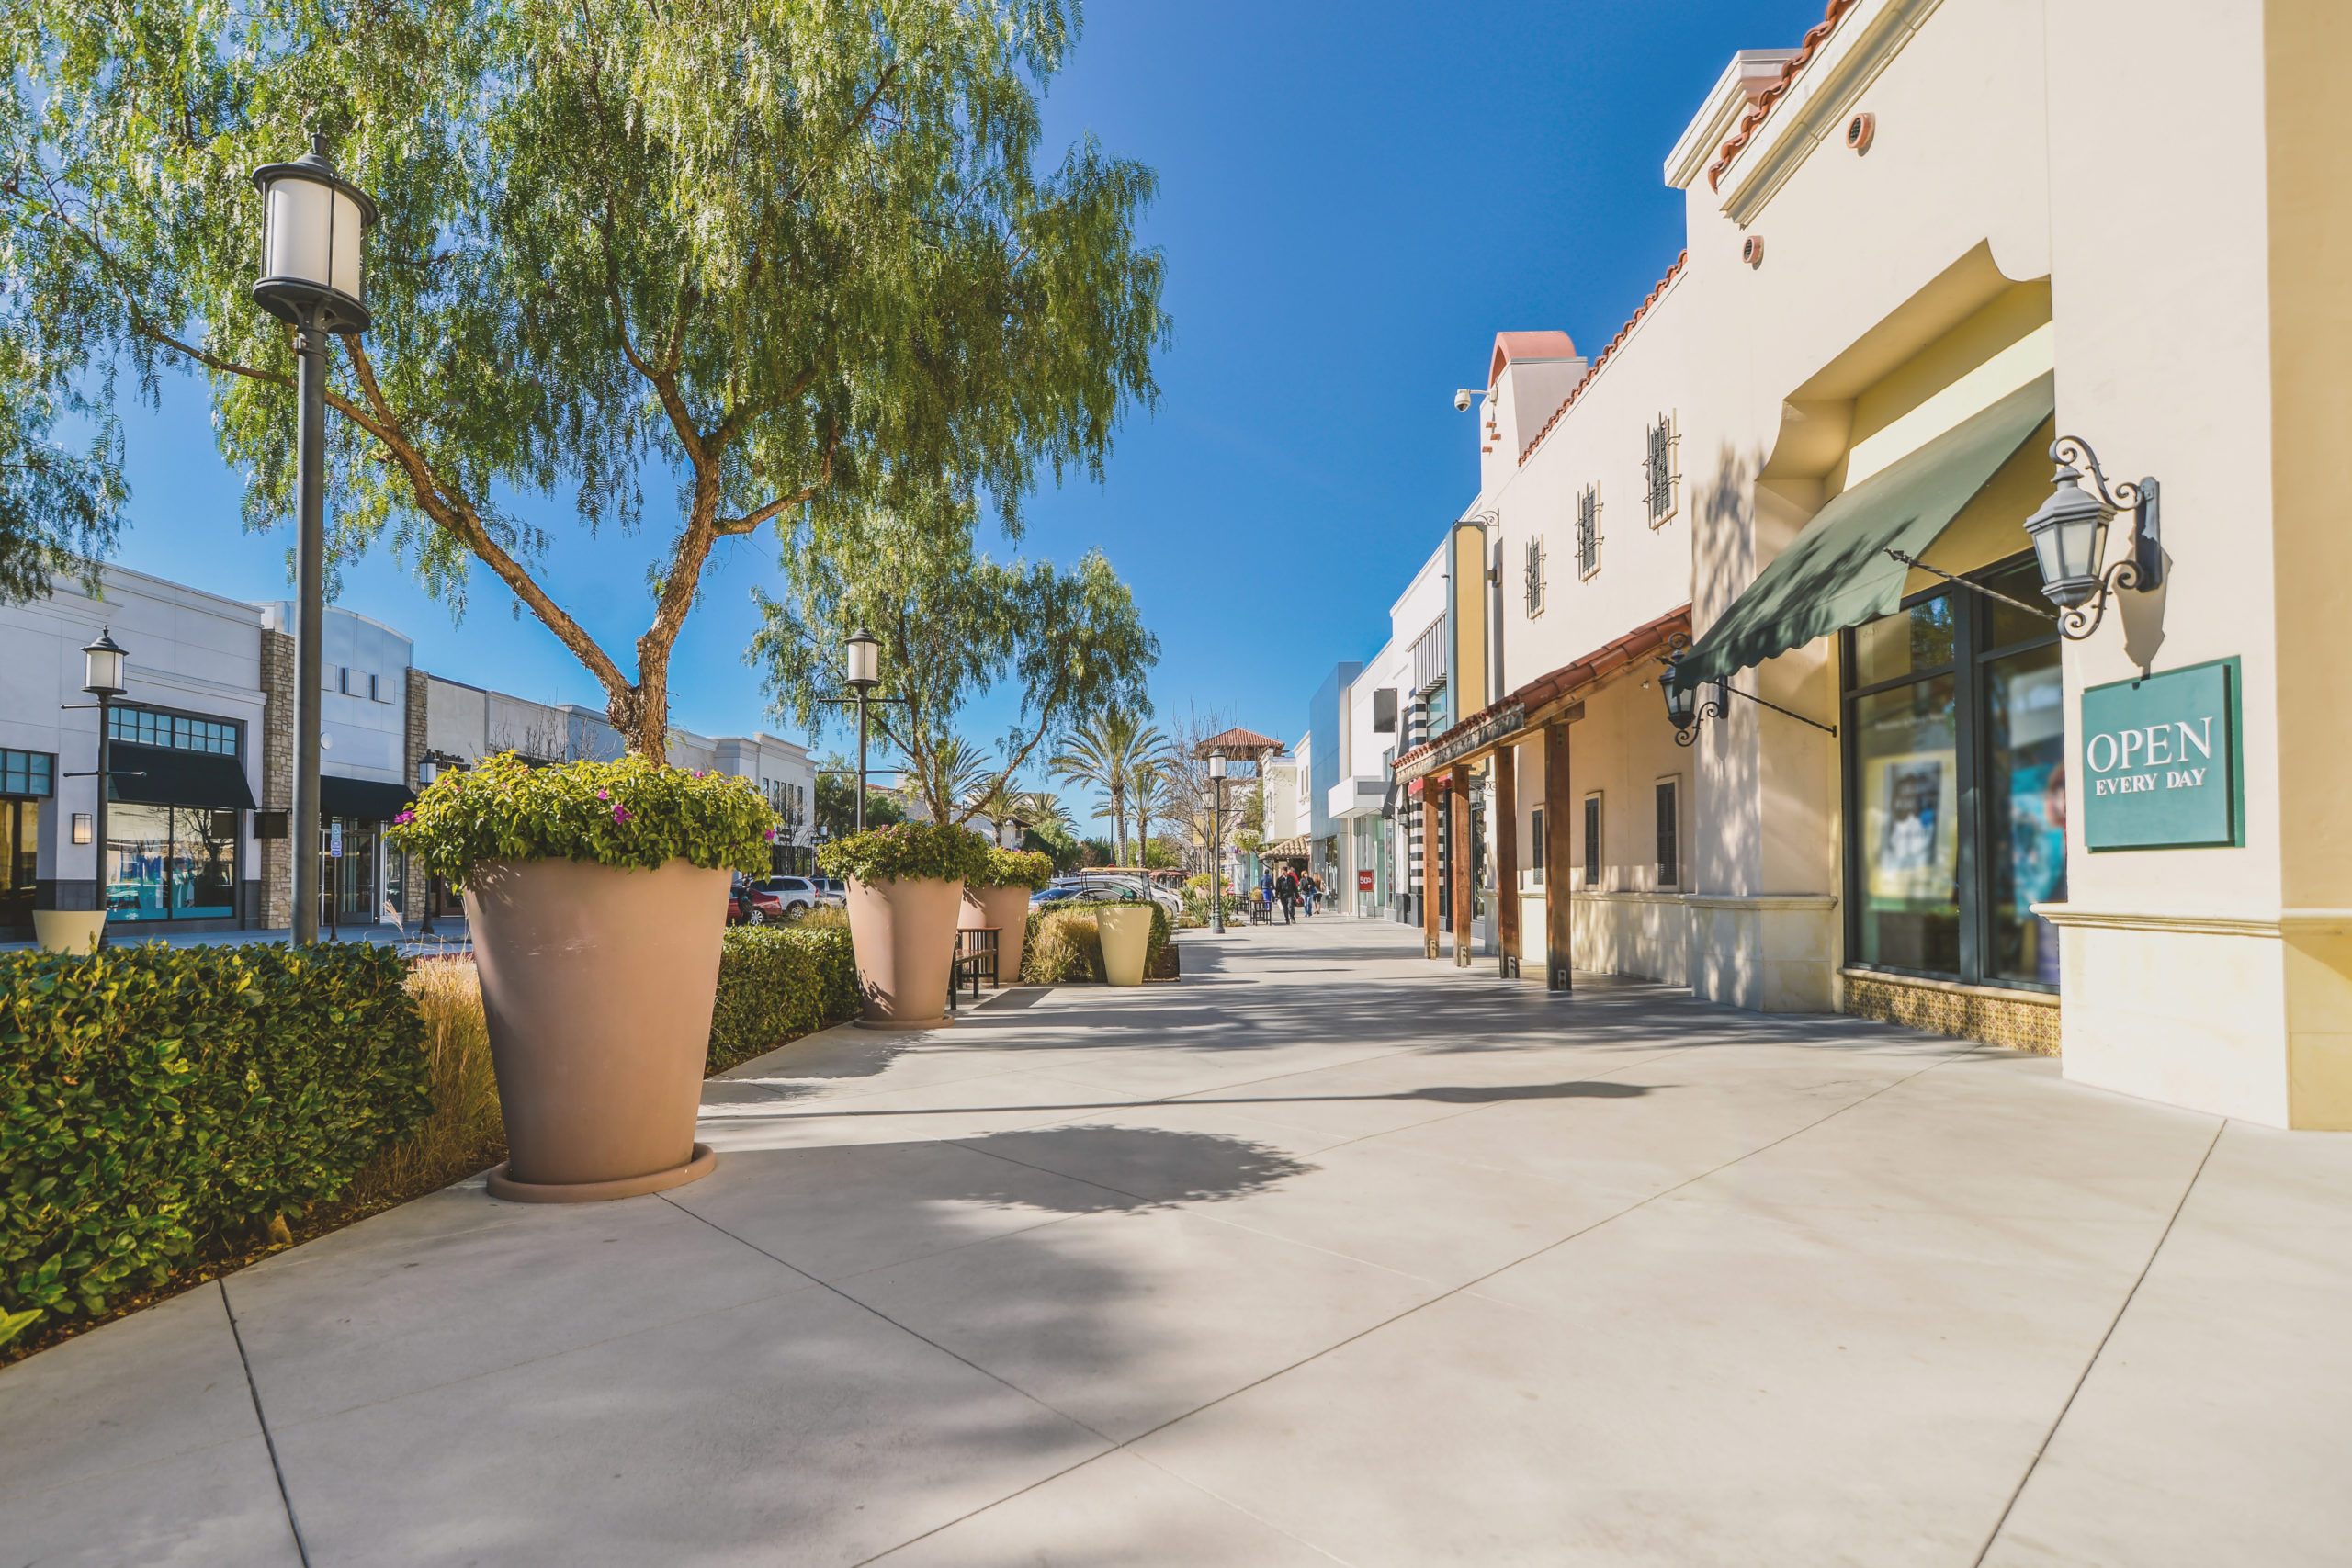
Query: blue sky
[(1353, 200)]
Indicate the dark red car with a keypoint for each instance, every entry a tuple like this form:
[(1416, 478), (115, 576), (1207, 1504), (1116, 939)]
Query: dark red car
[(750, 905)]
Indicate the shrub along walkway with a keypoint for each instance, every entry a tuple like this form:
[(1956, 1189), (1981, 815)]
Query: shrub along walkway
[(1325, 1254)]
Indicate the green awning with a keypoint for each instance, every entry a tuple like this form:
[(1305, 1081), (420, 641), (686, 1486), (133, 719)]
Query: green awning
[(161, 775), (1836, 574)]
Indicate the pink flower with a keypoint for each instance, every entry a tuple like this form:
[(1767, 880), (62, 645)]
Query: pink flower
[(604, 794), (620, 813), (404, 817)]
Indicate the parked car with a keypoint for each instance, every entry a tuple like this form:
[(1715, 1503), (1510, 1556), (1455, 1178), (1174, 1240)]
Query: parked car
[(1131, 885), (1087, 890), (751, 905), (798, 894)]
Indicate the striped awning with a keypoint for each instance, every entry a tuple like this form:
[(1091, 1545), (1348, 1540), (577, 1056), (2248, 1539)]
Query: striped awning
[(1299, 847)]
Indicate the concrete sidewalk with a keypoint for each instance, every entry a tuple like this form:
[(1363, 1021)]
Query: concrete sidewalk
[(1327, 1254)]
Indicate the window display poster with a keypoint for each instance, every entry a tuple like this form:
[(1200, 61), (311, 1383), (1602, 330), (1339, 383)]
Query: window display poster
[(1913, 837)]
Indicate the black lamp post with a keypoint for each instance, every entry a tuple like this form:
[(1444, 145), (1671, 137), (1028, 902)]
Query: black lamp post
[(102, 664), (312, 222), (426, 772), (2069, 535), (865, 675), (1217, 845)]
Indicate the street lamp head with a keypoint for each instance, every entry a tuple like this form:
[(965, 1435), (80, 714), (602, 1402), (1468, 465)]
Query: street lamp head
[(1681, 701), (864, 660), (1216, 766), (312, 221), (427, 770), (2069, 535), (102, 666)]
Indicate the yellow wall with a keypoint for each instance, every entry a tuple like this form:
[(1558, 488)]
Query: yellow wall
[(2307, 58)]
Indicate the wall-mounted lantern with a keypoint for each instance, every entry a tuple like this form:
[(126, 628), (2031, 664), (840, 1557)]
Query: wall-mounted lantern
[(2069, 535)]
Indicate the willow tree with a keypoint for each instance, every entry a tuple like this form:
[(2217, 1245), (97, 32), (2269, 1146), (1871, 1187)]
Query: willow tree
[(772, 259)]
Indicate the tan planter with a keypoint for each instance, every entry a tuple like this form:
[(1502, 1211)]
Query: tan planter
[(597, 983), (69, 930), (904, 932), (1126, 935), (1006, 909)]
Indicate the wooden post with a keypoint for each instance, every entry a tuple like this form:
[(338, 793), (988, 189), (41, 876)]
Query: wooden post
[(1464, 897), (1557, 804), (1506, 765), (1431, 795)]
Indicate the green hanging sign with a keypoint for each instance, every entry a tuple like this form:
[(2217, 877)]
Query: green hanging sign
[(2163, 768)]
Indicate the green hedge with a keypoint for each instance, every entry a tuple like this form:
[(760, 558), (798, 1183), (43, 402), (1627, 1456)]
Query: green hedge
[(632, 812), (152, 1096), (1064, 947), (898, 851), (775, 982)]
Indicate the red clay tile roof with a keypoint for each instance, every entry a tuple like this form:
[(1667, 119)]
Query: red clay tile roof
[(1614, 343), (1239, 740), (1773, 93), (1528, 346), (1606, 659)]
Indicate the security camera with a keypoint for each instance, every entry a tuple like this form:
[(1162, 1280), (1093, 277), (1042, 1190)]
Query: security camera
[(1461, 396)]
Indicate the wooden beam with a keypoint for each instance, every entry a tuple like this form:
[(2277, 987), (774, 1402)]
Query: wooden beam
[(1557, 804), (1506, 837), (1432, 798), (1465, 899)]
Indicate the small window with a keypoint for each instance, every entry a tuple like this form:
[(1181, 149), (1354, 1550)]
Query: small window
[(355, 682), (1534, 577), (1588, 531), (1592, 842), (1535, 846), (1658, 469), (1669, 838), (379, 689), (27, 774)]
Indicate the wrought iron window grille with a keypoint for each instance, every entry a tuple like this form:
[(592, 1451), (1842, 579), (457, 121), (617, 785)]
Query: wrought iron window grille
[(1588, 531), (1658, 472), (1534, 578)]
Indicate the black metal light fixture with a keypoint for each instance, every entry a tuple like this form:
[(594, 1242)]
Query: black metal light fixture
[(1686, 712), (102, 664), (313, 224), (1216, 843), (2069, 535), (865, 673)]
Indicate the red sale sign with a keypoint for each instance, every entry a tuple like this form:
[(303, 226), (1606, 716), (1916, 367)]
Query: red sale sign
[(1363, 882)]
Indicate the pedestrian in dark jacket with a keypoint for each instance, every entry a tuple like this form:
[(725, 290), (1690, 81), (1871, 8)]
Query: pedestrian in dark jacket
[(1287, 891)]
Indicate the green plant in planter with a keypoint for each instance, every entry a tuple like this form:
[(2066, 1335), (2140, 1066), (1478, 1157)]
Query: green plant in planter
[(1017, 868), (634, 812), (906, 852)]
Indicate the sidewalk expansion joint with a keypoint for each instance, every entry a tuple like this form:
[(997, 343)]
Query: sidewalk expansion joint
[(301, 1546)]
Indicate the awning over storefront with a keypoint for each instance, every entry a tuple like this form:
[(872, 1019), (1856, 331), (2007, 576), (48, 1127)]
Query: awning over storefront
[(160, 775), (363, 798), (1299, 847), (1836, 574)]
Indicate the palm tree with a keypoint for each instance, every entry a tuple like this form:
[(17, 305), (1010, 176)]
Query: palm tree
[(1152, 785), (1103, 751), (1042, 808), (948, 770)]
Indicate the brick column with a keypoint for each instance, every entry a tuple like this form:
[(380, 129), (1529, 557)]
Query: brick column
[(277, 775)]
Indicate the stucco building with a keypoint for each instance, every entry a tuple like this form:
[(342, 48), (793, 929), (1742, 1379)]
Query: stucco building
[(1924, 243)]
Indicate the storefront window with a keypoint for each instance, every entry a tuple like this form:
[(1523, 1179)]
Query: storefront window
[(1909, 781), (170, 862), (1955, 778), (19, 855)]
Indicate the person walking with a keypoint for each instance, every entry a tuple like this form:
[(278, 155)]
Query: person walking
[(1308, 889), (1287, 891)]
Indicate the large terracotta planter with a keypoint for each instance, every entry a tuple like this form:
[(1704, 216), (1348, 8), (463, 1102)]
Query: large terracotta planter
[(69, 930), (1006, 909), (1127, 936), (597, 983), (904, 933)]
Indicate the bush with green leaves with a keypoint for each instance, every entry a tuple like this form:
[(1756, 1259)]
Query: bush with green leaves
[(1017, 868), (777, 982), (1063, 942), (634, 812), (905, 852), (150, 1097)]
